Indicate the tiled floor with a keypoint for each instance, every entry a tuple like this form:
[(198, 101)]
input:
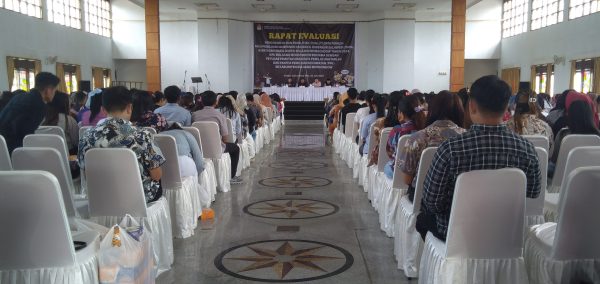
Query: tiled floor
[(299, 217)]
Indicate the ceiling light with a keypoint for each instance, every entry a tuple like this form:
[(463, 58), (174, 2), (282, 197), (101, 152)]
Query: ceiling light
[(347, 7), (208, 6), (404, 6), (263, 7)]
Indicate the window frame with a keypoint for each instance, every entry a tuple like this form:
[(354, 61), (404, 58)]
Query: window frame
[(70, 73), (98, 17), (543, 10), (31, 8), (575, 5), (75, 14), (28, 66), (581, 66), (518, 20)]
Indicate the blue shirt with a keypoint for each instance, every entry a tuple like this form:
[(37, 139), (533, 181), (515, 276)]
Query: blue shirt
[(365, 130), (187, 146), (175, 113)]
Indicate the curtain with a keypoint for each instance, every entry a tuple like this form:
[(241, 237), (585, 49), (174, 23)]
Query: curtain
[(596, 83), (97, 76), (549, 81), (110, 78), (60, 73), (37, 66), (512, 76), (571, 82), (10, 70), (532, 78), (78, 75)]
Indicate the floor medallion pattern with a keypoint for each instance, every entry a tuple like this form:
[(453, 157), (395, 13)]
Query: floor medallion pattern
[(299, 154), (295, 182), (298, 165), (284, 261), (291, 209)]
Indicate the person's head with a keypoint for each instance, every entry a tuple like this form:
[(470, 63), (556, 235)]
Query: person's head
[(250, 97), (117, 101), (336, 95), (302, 80), (159, 99), (142, 103), (234, 94), (209, 98), (95, 105), (59, 105), (561, 101), (574, 96), (6, 97), (410, 108), (290, 80), (46, 84), (225, 103), (488, 100), (78, 100), (394, 99), (525, 104), (187, 101), (346, 102), (446, 106), (369, 97), (580, 118), (378, 103), (172, 93), (352, 94), (328, 80)]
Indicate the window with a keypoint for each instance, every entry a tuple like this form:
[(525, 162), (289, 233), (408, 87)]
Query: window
[(100, 77), (65, 12), (71, 78), (97, 17), (106, 78), (583, 75), (546, 12), (28, 7), (544, 80), (23, 73), (514, 18), (580, 8)]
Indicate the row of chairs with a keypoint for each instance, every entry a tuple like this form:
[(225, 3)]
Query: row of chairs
[(39, 200), (489, 245)]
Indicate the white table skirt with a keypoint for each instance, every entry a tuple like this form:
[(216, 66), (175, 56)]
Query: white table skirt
[(304, 94)]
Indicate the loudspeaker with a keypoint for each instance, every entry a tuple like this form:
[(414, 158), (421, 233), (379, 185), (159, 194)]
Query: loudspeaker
[(85, 86), (524, 86)]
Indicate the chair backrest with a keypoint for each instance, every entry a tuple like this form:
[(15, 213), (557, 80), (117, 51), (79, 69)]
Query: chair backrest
[(424, 165), (49, 160), (372, 138), (539, 141), (48, 129), (171, 177), (230, 136), (487, 215), (5, 164), (383, 158), (151, 130), (587, 156), (83, 130), (350, 123), (196, 133), (569, 143), (578, 230), (35, 228), (50, 141), (211, 142), (535, 206), (397, 180), (114, 183)]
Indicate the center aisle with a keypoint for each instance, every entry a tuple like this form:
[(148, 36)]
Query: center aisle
[(298, 217)]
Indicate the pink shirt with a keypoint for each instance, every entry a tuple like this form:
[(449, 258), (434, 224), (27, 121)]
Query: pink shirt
[(85, 118)]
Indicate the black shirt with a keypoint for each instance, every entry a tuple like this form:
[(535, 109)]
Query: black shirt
[(350, 108), (21, 117)]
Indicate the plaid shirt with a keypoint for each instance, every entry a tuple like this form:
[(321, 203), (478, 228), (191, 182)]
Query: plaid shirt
[(480, 148)]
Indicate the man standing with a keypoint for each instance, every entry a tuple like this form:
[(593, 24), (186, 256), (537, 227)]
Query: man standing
[(24, 113), (209, 113), (172, 111), (488, 145)]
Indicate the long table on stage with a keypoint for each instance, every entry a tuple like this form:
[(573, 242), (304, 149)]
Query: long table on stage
[(304, 94)]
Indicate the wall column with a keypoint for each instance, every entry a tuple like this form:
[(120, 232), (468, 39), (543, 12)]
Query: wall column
[(152, 45), (457, 52)]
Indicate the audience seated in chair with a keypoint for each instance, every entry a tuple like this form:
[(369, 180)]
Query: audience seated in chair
[(118, 132), (191, 159), (445, 118), (253, 114), (390, 120), (209, 113), (377, 107), (487, 145), (24, 113), (352, 106), (142, 114), (172, 111), (57, 114), (227, 106), (527, 119)]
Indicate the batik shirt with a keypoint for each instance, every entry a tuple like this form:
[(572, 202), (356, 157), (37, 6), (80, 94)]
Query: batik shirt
[(532, 125), (154, 120), (398, 131), (119, 133)]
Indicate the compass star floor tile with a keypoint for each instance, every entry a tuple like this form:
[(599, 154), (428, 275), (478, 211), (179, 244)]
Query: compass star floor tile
[(291, 209), (295, 182), (297, 165)]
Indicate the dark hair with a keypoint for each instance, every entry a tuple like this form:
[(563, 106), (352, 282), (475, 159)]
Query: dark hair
[(226, 106), (209, 98), (580, 118), (44, 80), (172, 94), (411, 108), (336, 95), (187, 102), (116, 98), (142, 103), (525, 103), (491, 94), (379, 100), (346, 102), (250, 97), (78, 100), (58, 105), (234, 94), (362, 96), (561, 101), (391, 119), (352, 93), (158, 96), (6, 97), (446, 105), (95, 105), (198, 104)]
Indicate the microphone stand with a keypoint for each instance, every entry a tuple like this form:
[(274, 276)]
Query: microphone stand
[(208, 81), (184, 76)]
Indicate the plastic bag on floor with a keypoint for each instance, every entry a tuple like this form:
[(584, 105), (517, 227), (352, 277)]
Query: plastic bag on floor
[(125, 254)]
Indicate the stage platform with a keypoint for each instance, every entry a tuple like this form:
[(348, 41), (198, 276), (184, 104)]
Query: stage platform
[(304, 110)]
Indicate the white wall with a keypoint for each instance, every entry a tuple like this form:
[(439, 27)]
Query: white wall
[(241, 52), (29, 37), (178, 52), (477, 68), (432, 56), (399, 51), (375, 33), (213, 52), (132, 70), (574, 39)]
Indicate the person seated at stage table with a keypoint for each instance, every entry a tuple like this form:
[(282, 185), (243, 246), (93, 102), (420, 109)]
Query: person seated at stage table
[(302, 83), (328, 83), (290, 83), (316, 83)]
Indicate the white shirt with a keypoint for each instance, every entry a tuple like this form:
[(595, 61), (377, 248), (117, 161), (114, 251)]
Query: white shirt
[(361, 114)]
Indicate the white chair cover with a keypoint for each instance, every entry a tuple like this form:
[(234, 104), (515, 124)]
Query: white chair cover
[(485, 234), (408, 244), (539, 141), (46, 255), (212, 149), (245, 154), (382, 159), (181, 192), (578, 157), (534, 207), (207, 180), (52, 130), (259, 140), (569, 251), (115, 189), (251, 147), (569, 143), (347, 144), (5, 164), (230, 136)]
